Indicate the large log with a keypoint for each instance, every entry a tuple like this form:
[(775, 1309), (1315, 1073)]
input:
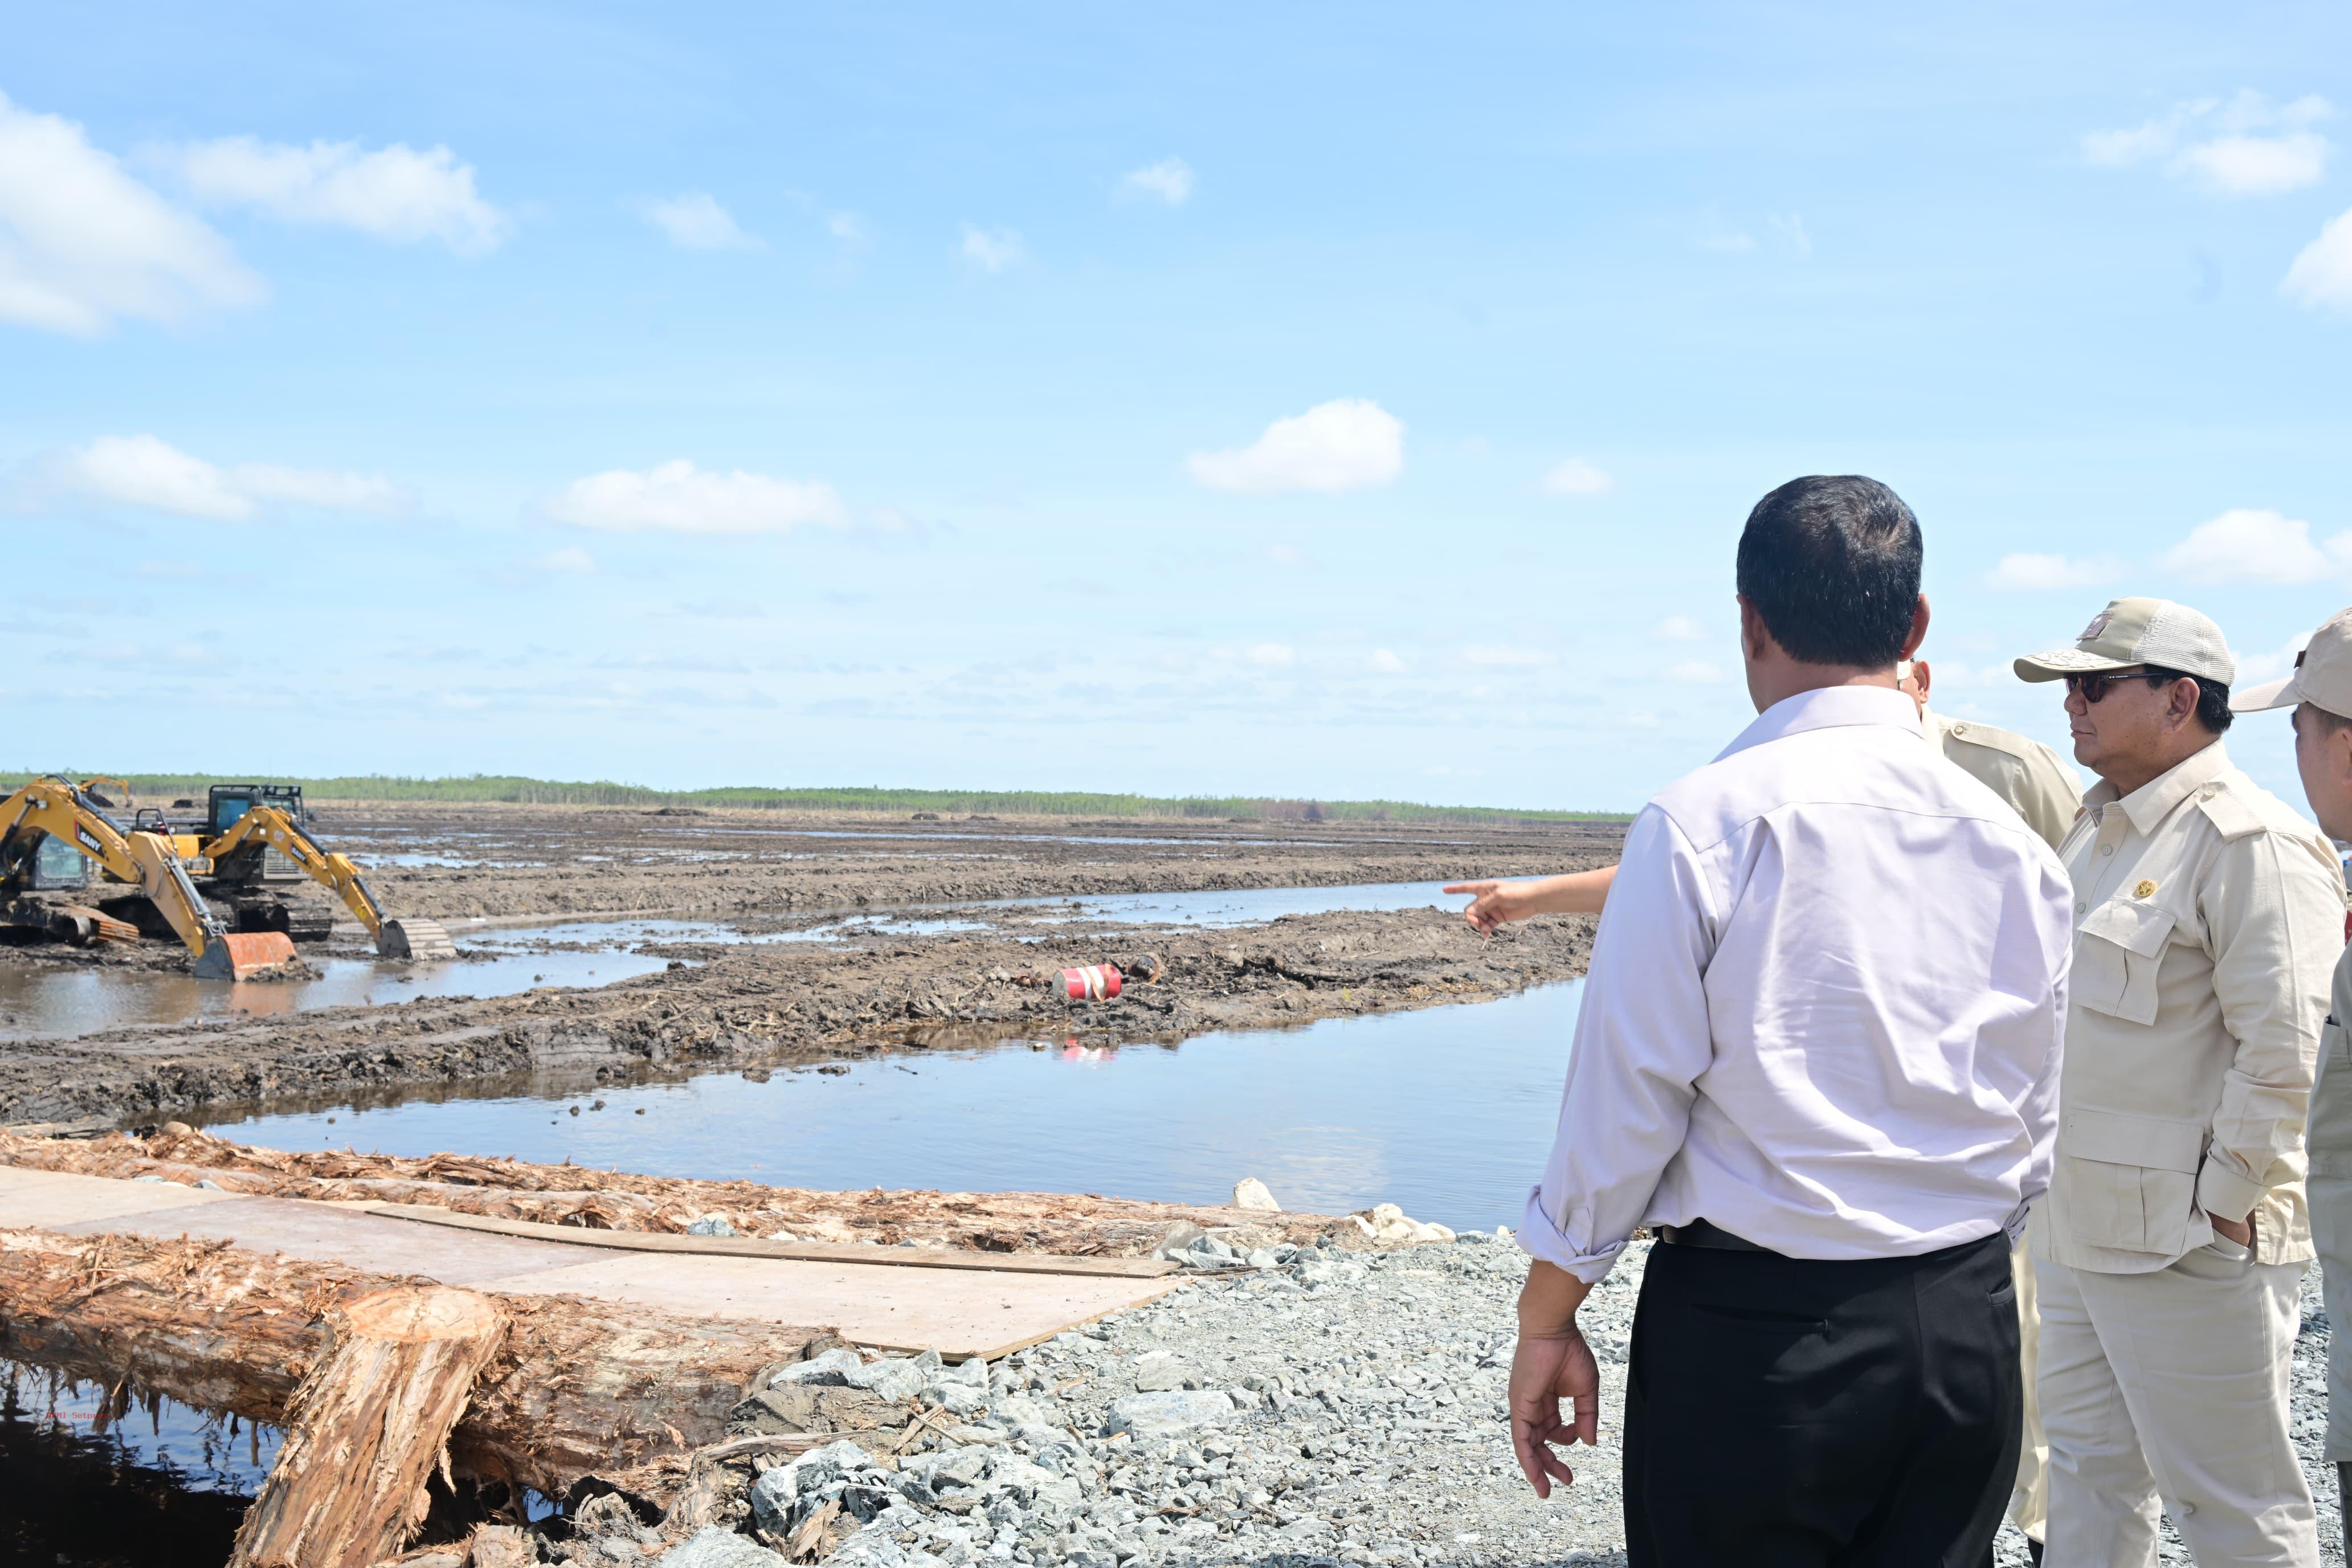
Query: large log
[(368, 1428), (579, 1387)]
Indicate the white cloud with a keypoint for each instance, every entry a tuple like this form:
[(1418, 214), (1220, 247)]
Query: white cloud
[(83, 244), (1731, 241), (2247, 146), (1383, 662), (1576, 477), (1496, 653), (145, 471), (2025, 569), (1678, 628), (2246, 544), (993, 250), (1791, 229), (1347, 444), (846, 228), (1694, 672), (2322, 274), (1169, 180), (1285, 555), (695, 221), (1273, 655), (2257, 166), (678, 498), (396, 193)]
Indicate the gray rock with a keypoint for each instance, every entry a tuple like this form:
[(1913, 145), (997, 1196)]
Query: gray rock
[(1167, 1415), (1022, 1411), (890, 1379), (714, 1546), (961, 1398), (710, 1225), (1158, 1370), (831, 1367)]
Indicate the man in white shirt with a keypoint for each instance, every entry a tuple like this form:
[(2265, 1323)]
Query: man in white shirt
[(1818, 1054)]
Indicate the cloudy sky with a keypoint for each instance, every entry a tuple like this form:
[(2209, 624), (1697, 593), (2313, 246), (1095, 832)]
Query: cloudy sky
[(1339, 400)]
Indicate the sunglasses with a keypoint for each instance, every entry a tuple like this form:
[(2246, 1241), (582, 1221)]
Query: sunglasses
[(2094, 688)]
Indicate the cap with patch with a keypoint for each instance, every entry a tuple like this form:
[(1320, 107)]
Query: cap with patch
[(2139, 631), (2322, 674)]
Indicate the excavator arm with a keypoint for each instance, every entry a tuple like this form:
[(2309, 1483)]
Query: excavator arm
[(56, 807), (394, 938)]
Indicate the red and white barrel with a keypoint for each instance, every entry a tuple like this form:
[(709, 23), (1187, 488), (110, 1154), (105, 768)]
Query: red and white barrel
[(1094, 983)]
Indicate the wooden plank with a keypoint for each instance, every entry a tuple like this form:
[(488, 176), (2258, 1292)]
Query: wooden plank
[(795, 1251)]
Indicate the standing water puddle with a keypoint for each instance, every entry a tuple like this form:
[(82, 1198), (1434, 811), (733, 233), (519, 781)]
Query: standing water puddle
[(160, 1487), (1446, 1111), (39, 1003)]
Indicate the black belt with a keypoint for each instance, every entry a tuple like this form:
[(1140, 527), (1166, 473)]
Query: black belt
[(1706, 1232)]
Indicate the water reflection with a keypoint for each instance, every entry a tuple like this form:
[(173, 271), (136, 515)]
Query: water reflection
[(91, 1479), (1446, 1111)]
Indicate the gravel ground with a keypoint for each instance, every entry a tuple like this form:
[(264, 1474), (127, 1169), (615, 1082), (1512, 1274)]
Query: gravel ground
[(1346, 1409)]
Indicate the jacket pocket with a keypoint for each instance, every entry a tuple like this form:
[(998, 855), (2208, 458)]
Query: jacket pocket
[(2132, 1179), (2115, 961)]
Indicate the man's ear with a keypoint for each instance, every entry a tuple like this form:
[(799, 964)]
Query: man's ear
[(1754, 639), (2180, 703), (1919, 630)]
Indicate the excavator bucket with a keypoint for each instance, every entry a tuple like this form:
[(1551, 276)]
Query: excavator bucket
[(239, 955), (413, 938)]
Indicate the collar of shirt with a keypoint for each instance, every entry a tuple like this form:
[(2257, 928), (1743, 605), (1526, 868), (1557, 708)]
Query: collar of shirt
[(1829, 708), (2153, 801)]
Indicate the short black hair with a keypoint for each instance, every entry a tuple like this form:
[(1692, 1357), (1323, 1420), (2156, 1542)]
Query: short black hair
[(1832, 565), (2212, 697)]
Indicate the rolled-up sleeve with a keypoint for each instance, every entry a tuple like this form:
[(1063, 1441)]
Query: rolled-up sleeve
[(2275, 913), (1642, 1042)]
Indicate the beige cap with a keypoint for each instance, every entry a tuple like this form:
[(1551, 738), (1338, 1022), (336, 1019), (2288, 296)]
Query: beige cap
[(2139, 631), (2322, 674)]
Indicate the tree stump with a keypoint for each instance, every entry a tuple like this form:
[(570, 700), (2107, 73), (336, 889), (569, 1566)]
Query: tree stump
[(367, 1427)]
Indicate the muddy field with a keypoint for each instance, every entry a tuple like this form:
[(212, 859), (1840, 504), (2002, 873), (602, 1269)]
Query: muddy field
[(859, 990)]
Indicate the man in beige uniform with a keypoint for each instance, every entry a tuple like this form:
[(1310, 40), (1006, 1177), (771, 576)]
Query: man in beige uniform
[(2039, 787), (2171, 1248), (2044, 791), (2320, 691)]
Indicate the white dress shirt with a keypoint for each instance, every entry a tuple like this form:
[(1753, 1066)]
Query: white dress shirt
[(1825, 1007)]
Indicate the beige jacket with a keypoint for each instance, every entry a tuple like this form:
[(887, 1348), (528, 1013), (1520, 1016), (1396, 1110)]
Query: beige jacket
[(2026, 773), (2209, 918)]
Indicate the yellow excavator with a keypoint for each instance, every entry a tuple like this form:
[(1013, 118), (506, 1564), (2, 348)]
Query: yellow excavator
[(247, 832), (55, 810)]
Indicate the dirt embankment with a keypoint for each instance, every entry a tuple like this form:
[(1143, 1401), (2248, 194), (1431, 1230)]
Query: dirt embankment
[(802, 1001), (1061, 1223)]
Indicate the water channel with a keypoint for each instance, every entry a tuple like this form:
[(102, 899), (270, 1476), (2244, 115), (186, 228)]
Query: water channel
[(1444, 1110), (44, 1002)]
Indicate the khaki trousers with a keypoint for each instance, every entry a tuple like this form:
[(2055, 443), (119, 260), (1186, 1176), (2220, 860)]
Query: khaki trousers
[(2029, 1505), (2170, 1389)]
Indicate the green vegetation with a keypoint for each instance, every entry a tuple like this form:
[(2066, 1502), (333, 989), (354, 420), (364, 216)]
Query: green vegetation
[(148, 787)]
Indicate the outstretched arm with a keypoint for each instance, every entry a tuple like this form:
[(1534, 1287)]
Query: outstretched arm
[(1496, 903)]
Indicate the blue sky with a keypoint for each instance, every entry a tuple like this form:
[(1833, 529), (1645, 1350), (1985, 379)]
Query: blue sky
[(1336, 401)]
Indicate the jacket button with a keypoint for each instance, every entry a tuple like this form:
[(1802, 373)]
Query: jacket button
[(2106, 849)]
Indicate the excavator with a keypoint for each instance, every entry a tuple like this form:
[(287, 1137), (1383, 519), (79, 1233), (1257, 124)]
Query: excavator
[(52, 828)]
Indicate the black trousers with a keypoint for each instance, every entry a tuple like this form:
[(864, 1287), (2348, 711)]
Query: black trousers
[(1784, 1413)]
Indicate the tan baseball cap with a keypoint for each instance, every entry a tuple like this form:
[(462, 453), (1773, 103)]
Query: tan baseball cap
[(2322, 674), (2139, 631)]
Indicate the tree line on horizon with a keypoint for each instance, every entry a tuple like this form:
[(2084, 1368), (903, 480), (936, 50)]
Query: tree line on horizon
[(154, 788)]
